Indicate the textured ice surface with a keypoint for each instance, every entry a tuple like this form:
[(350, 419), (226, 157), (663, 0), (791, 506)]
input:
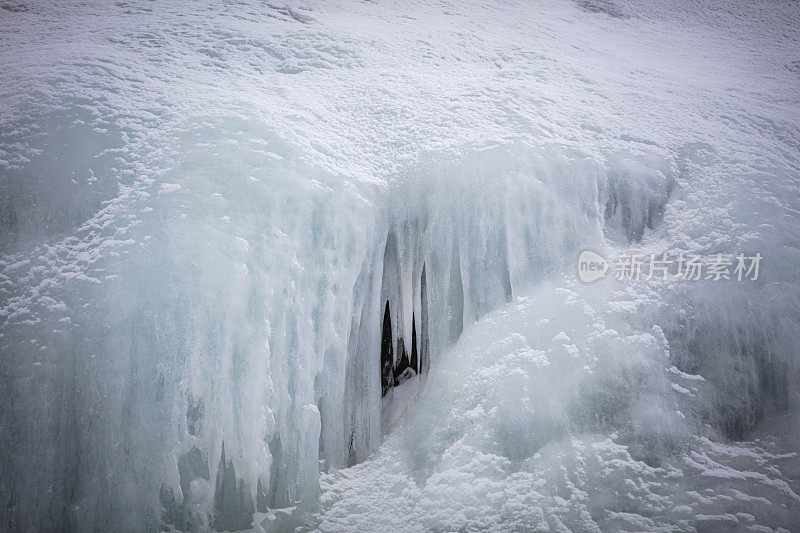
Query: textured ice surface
[(205, 206), (552, 413)]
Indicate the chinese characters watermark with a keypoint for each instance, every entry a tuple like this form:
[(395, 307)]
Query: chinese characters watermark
[(688, 267)]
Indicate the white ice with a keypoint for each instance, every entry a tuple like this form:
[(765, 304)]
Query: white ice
[(205, 206)]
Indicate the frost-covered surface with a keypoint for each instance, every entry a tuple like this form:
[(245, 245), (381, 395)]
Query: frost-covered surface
[(204, 206), (551, 414)]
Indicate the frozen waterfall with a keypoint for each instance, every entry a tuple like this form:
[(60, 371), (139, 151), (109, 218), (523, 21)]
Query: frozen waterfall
[(267, 267)]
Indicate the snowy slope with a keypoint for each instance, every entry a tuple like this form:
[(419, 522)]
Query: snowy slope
[(204, 206)]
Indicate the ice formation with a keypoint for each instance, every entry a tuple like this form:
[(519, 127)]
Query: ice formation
[(313, 265)]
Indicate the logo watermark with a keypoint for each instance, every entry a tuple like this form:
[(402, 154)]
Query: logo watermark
[(688, 267), (591, 266)]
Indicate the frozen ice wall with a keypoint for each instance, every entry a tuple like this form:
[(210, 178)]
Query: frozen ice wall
[(205, 211), (249, 320)]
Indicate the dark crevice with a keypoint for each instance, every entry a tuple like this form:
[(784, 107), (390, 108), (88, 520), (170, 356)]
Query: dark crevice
[(394, 372), (395, 362), (387, 352)]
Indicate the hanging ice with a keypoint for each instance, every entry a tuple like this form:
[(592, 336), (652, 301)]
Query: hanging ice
[(244, 246)]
